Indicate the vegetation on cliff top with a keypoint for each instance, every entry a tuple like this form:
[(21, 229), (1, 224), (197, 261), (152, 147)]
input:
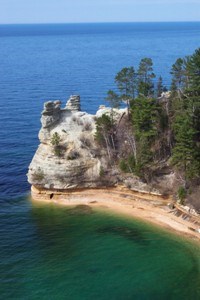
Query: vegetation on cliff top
[(161, 127)]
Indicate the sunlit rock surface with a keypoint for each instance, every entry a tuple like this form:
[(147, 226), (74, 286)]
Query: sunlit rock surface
[(80, 159)]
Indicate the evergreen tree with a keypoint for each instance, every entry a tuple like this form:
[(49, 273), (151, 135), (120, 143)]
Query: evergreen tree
[(144, 114), (193, 71), (144, 120), (173, 87), (145, 76), (160, 87), (186, 116), (105, 135), (114, 99), (185, 155), (193, 88), (126, 84), (178, 73)]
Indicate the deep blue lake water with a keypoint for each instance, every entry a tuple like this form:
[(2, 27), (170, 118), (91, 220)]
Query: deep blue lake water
[(42, 62), (49, 62)]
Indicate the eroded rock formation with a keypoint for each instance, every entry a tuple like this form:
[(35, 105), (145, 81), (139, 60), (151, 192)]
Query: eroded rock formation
[(51, 113), (69, 157), (75, 161)]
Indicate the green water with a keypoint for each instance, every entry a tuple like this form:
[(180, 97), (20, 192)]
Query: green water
[(77, 254)]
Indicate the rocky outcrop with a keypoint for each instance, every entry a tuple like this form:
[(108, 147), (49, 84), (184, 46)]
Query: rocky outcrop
[(70, 167), (69, 157), (74, 160), (51, 113), (73, 103)]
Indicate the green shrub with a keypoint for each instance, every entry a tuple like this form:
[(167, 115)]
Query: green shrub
[(101, 172), (123, 166), (38, 175), (55, 140), (131, 162), (127, 165), (182, 193)]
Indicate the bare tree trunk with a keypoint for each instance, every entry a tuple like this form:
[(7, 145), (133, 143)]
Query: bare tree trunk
[(107, 146), (132, 142), (113, 143)]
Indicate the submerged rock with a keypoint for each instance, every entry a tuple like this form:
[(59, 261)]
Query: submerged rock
[(81, 210), (132, 234)]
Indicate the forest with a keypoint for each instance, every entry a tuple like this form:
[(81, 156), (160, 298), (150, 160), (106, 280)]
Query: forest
[(162, 126)]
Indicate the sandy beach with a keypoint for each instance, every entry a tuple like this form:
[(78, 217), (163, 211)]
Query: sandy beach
[(147, 207)]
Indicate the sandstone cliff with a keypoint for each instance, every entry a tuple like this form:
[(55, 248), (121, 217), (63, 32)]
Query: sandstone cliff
[(69, 157), (77, 161)]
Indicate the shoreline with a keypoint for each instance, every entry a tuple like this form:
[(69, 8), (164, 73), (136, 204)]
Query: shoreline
[(145, 207)]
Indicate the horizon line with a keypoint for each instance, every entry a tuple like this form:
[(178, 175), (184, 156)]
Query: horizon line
[(101, 22)]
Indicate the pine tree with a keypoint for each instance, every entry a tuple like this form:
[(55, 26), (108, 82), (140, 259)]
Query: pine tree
[(105, 133), (185, 118), (184, 154), (144, 120), (179, 74), (126, 84), (173, 87), (160, 87), (145, 76), (193, 72), (113, 99), (193, 90)]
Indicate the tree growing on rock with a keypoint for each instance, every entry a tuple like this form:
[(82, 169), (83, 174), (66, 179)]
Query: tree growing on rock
[(113, 99), (55, 141), (126, 85), (144, 120), (105, 134)]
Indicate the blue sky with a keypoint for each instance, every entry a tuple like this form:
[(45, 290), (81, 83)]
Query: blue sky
[(72, 11)]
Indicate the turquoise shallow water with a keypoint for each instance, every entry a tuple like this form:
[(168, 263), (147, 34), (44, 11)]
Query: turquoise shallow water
[(51, 252)]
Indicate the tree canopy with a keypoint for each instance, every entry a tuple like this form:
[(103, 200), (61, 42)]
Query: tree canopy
[(162, 128)]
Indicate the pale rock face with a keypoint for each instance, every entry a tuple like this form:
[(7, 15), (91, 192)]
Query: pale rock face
[(51, 113), (73, 103), (113, 112), (80, 159)]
